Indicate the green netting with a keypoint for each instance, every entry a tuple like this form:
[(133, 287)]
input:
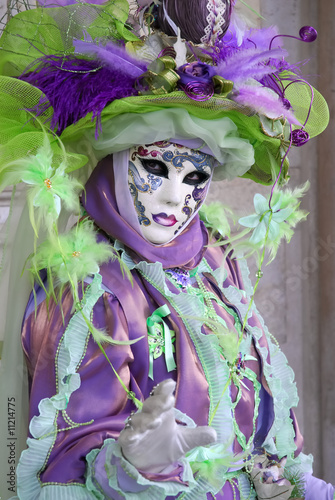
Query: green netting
[(300, 96), (38, 31), (22, 135)]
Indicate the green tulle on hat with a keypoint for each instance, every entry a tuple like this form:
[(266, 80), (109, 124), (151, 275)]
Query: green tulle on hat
[(22, 135), (51, 31)]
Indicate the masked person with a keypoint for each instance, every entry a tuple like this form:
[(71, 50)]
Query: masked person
[(151, 374)]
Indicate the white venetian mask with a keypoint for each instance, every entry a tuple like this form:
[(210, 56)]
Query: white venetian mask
[(168, 184)]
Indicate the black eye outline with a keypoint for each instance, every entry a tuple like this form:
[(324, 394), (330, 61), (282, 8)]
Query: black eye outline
[(160, 169), (201, 177), (155, 167)]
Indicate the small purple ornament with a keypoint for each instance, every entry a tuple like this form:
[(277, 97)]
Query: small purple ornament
[(299, 137), (199, 91), (308, 34)]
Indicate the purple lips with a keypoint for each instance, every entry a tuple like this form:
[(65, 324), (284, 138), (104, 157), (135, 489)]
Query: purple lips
[(164, 220)]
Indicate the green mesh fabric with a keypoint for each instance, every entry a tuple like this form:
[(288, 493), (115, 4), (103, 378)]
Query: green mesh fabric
[(300, 96), (22, 135), (36, 31)]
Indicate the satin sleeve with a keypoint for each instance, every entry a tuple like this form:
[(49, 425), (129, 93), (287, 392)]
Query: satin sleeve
[(83, 456), (316, 489)]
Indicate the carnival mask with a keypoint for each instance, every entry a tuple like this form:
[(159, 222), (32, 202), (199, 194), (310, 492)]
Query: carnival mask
[(168, 184)]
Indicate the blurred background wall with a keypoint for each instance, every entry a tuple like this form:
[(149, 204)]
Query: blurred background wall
[(297, 292)]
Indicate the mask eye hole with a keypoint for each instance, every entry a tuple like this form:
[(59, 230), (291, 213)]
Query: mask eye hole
[(195, 178), (155, 167)]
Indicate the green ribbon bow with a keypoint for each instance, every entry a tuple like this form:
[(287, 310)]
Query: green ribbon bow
[(160, 78), (160, 339)]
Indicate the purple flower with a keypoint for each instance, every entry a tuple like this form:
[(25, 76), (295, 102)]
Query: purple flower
[(195, 72)]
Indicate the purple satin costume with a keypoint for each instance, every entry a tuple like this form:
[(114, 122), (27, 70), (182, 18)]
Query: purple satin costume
[(100, 398)]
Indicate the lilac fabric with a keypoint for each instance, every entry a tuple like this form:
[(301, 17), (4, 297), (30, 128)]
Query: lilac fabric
[(100, 403), (100, 396), (316, 489)]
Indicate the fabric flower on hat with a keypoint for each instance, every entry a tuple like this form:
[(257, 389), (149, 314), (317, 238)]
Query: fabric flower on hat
[(196, 71), (275, 218)]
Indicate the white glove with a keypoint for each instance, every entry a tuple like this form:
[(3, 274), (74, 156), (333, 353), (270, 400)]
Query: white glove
[(153, 440)]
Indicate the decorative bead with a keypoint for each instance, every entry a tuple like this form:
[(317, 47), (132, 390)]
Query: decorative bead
[(128, 424), (76, 253), (48, 184), (259, 273), (308, 34), (299, 137)]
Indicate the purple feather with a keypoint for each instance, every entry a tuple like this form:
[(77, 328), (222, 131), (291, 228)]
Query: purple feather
[(265, 102), (74, 87), (250, 63), (113, 56), (261, 38), (229, 45)]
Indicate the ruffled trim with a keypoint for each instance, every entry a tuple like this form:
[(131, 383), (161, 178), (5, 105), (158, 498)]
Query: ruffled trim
[(63, 492), (154, 490), (279, 375), (190, 307), (280, 378), (43, 427)]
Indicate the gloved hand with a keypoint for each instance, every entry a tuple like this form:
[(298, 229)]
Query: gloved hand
[(153, 440)]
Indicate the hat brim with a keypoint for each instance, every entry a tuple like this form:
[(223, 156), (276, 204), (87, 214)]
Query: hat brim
[(269, 150)]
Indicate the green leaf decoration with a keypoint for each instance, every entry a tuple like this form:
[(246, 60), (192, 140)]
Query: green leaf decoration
[(70, 258)]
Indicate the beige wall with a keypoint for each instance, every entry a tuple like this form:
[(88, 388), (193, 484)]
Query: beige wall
[(296, 294)]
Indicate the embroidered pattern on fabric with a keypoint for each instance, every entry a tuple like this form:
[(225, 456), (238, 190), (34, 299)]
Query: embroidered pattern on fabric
[(43, 427), (180, 276), (160, 339)]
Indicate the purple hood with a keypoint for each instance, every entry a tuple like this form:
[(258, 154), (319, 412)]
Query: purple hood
[(186, 250)]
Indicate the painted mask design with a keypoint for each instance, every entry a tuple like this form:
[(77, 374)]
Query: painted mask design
[(168, 184)]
